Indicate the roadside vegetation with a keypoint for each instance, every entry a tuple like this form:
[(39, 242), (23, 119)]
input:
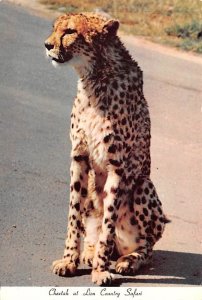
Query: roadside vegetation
[(177, 23)]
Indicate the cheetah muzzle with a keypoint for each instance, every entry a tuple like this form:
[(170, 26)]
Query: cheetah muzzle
[(113, 202)]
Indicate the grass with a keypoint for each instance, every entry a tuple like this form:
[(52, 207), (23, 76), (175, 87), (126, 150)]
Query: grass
[(174, 22)]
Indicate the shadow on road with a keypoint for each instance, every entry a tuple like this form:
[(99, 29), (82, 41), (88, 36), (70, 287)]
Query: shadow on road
[(167, 268)]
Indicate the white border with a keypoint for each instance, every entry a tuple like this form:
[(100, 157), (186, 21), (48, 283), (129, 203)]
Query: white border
[(98, 293)]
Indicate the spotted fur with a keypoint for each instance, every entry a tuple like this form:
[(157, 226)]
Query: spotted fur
[(113, 201)]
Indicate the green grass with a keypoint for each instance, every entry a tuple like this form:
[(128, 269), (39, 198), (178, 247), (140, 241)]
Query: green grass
[(174, 22), (189, 35)]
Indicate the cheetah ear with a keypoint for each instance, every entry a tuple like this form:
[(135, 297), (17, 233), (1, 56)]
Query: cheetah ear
[(111, 27)]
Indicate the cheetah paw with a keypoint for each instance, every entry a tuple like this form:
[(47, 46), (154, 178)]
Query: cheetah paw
[(125, 266), (63, 267), (101, 278)]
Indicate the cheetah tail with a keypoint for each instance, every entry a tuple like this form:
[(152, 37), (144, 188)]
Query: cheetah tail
[(166, 220)]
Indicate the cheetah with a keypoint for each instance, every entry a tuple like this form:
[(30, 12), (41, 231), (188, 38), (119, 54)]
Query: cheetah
[(113, 202)]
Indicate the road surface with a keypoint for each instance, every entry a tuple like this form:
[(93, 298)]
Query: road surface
[(35, 105)]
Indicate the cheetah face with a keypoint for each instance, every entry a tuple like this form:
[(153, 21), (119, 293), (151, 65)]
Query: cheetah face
[(64, 41), (74, 37)]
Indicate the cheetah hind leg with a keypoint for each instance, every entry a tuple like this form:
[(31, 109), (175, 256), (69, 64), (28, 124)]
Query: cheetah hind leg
[(130, 263)]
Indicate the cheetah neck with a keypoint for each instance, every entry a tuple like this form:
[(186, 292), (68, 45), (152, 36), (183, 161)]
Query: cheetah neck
[(110, 63), (109, 58)]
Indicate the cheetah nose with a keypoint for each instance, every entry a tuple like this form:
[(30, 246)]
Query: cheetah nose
[(49, 46)]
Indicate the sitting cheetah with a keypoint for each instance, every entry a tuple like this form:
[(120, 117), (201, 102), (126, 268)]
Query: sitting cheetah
[(113, 201)]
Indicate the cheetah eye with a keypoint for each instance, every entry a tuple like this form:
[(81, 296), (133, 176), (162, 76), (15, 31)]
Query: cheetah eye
[(70, 31)]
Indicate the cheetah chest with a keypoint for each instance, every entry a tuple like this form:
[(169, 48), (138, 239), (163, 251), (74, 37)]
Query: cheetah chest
[(96, 127)]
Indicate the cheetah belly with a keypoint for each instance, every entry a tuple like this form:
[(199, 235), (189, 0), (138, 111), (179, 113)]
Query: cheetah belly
[(125, 236)]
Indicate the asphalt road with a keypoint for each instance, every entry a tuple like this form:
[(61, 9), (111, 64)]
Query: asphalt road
[(35, 105)]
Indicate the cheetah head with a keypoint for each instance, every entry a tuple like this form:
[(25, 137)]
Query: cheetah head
[(76, 37)]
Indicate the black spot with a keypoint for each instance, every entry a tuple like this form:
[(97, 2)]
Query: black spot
[(110, 208), (120, 192), (79, 158), (112, 230), (113, 190), (145, 211), (160, 210), (153, 224), (112, 149), (154, 203), (145, 223), (141, 217), (91, 205), (78, 223), (158, 235), (107, 138), (102, 107), (118, 205), (164, 220), (137, 201), (154, 217), (114, 84), (114, 217), (131, 206), (84, 192), (119, 172), (106, 220), (77, 262), (159, 228), (149, 230), (123, 122), (149, 239), (133, 221), (117, 138), (150, 185), (77, 186), (146, 190), (77, 206), (139, 191), (144, 200), (140, 181), (140, 248), (115, 163)]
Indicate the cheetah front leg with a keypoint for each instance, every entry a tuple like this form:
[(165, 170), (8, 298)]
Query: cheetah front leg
[(100, 272), (78, 192), (93, 213)]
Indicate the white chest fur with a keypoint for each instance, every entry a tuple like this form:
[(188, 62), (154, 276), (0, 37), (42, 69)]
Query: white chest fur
[(94, 125)]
